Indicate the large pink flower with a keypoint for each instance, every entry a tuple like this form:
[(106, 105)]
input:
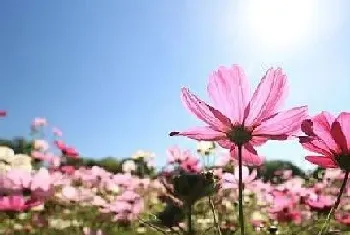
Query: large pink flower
[(234, 120), (330, 138)]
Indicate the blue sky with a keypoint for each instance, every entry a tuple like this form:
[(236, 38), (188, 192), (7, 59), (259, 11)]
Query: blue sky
[(109, 73)]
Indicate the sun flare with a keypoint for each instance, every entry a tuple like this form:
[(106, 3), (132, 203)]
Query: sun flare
[(279, 23)]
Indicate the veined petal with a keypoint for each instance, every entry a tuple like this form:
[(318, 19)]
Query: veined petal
[(226, 144), (249, 155), (258, 140), (282, 124), (201, 133), (229, 90), (314, 144), (321, 126), (204, 111), (321, 161), (268, 96), (341, 131)]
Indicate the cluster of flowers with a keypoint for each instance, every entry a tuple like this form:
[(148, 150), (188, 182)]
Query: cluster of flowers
[(236, 122)]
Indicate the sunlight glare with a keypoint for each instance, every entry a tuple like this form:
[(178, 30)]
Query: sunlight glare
[(278, 24)]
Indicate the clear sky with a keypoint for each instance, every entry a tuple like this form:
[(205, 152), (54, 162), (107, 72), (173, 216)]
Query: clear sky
[(109, 73)]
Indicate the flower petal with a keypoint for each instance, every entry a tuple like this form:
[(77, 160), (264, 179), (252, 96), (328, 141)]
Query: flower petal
[(226, 144), (204, 111), (249, 155), (268, 96), (324, 162), (229, 90), (282, 124), (201, 133), (341, 131), (314, 144), (321, 126)]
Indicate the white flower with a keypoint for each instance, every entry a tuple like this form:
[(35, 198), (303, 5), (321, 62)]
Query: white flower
[(143, 154), (17, 226), (22, 161), (38, 208), (205, 147), (141, 230), (129, 166), (41, 145), (4, 168), (6, 154)]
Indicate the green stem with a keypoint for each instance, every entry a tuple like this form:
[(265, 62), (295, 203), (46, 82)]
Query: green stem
[(189, 219), (326, 223), (240, 190), (217, 225)]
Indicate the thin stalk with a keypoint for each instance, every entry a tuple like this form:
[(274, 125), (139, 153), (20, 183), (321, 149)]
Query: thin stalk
[(189, 219), (326, 223), (216, 224), (240, 190)]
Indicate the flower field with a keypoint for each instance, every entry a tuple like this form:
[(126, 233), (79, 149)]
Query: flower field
[(221, 188)]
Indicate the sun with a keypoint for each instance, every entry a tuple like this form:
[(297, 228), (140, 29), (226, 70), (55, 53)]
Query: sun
[(279, 23)]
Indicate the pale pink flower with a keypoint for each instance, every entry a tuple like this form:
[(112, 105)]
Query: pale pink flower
[(39, 121), (41, 145), (230, 181), (56, 131), (320, 203), (284, 209), (175, 155), (41, 183), (234, 120), (89, 231), (38, 155), (191, 164)]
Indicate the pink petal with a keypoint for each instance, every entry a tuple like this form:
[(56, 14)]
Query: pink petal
[(268, 96), (258, 140), (226, 144), (249, 155), (321, 126), (341, 131), (229, 90), (201, 133), (283, 123), (203, 111), (324, 162), (314, 144)]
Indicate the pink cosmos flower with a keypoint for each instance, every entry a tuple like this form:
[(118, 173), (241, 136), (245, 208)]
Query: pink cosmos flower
[(191, 164), (66, 150), (343, 217), (3, 113), (284, 210), (175, 155), (229, 181), (17, 203), (56, 131), (330, 138), (39, 121), (234, 120), (184, 159), (69, 170), (38, 155), (320, 203)]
